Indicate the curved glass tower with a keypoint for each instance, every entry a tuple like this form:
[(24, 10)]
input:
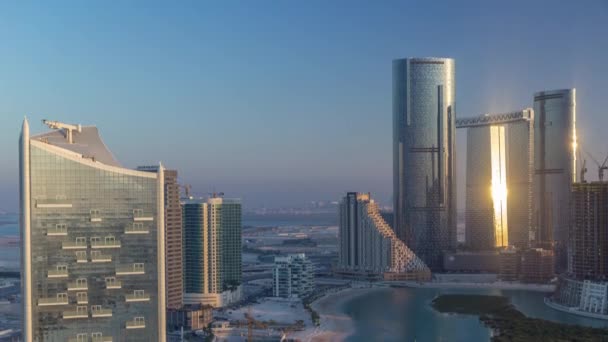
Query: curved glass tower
[(554, 163), (424, 189), (92, 234)]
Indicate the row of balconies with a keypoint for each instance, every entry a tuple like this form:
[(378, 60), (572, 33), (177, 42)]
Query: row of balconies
[(61, 229), (82, 298), (95, 214), (61, 271), (95, 337)]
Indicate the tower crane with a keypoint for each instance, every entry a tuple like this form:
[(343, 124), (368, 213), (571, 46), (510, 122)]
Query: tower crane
[(68, 129), (600, 167)]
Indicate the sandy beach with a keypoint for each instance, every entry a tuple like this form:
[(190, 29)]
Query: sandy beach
[(335, 324)]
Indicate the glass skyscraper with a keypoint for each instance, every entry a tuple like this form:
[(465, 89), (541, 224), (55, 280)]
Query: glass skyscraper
[(92, 237), (212, 251), (499, 179), (554, 165), (424, 189)]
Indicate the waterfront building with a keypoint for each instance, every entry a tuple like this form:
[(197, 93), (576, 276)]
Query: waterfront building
[(173, 238), (471, 262), (588, 242), (537, 265), (554, 167), (424, 188), (500, 159), (212, 251), (293, 276), (190, 317), (369, 248), (92, 235), (510, 264)]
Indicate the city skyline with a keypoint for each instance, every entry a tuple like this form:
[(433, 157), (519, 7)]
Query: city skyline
[(278, 128)]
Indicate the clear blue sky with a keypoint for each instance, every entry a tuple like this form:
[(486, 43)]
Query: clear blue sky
[(281, 102)]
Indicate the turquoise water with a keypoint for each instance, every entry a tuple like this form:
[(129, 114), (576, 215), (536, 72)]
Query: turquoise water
[(404, 314)]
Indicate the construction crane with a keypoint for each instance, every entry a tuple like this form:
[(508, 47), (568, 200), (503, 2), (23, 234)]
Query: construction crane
[(68, 129), (583, 170), (187, 188), (600, 167)]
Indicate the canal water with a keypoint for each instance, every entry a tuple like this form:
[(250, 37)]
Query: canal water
[(405, 314)]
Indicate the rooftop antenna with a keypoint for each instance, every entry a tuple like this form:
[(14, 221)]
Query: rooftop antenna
[(67, 129)]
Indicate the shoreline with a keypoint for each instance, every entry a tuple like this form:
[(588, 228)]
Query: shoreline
[(459, 285), (335, 325)]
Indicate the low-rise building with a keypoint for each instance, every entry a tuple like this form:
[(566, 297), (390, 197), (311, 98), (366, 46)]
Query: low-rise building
[(510, 264), (190, 317), (537, 265), (292, 276)]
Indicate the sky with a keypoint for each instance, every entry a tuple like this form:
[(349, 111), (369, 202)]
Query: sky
[(282, 102)]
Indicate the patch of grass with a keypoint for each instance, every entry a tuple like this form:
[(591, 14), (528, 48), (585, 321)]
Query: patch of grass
[(510, 324)]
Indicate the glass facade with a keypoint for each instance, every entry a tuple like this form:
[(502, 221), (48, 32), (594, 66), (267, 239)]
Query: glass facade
[(554, 164), (499, 175), (212, 245), (424, 188), (93, 242)]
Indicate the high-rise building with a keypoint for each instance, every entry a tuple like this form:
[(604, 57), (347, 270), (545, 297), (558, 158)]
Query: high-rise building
[(212, 251), (424, 188), (588, 242), (92, 234), (173, 238), (537, 265), (369, 248), (554, 164), (500, 157), (293, 276)]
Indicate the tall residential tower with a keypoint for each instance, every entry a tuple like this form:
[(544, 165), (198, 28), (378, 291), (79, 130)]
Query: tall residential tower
[(92, 234), (424, 189), (212, 251)]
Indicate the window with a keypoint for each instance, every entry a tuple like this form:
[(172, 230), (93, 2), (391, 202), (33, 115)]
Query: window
[(81, 282), (95, 239), (138, 212), (81, 240), (62, 297), (62, 268)]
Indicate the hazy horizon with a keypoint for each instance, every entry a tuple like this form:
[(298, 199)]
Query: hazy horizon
[(282, 103)]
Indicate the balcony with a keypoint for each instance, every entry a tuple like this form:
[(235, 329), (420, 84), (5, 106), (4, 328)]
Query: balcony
[(113, 285), (82, 298), (130, 269), (53, 301), (137, 297), (136, 229), (105, 244), (79, 313), (78, 286), (63, 273), (93, 339), (101, 339), (98, 313), (98, 257), (57, 231), (74, 245), (137, 323), (52, 204), (143, 218), (81, 257)]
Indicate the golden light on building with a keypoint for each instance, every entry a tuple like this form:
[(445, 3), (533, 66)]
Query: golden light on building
[(499, 185)]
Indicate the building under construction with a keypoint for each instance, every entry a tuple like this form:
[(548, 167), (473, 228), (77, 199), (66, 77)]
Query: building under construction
[(589, 231)]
